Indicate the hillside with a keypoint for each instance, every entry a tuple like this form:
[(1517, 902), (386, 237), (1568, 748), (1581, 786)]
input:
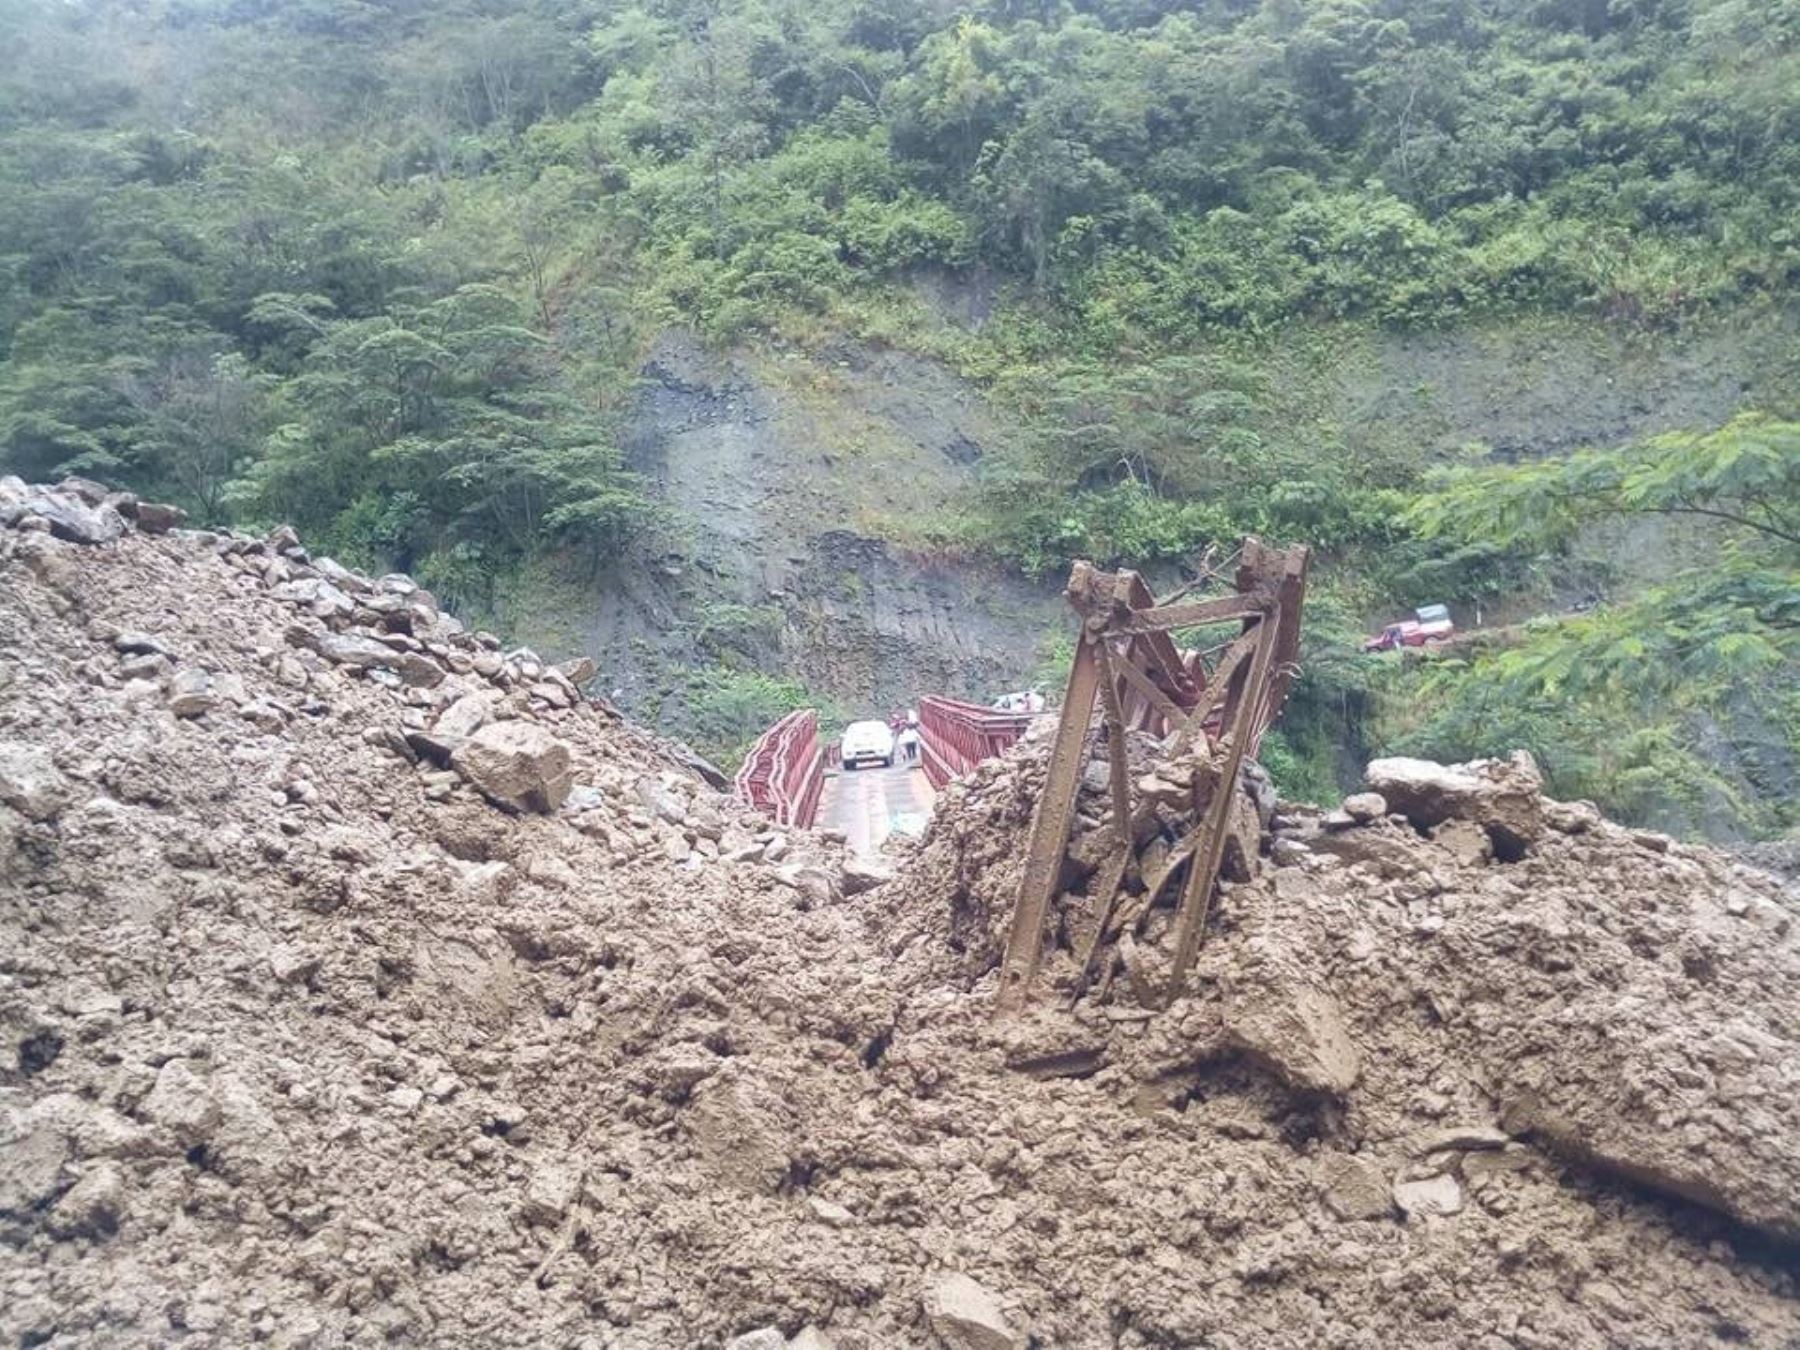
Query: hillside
[(644, 329), (359, 981)]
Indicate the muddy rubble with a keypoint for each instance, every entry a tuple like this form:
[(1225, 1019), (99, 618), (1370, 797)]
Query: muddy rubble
[(363, 982)]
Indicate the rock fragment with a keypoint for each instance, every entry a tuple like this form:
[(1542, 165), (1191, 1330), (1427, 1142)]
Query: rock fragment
[(966, 1316), (517, 765), (1354, 1188), (1502, 796), (192, 693), (93, 1206), (1439, 1194), (30, 782), (182, 1102)]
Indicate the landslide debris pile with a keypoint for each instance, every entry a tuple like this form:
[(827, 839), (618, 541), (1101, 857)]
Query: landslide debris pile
[(363, 983)]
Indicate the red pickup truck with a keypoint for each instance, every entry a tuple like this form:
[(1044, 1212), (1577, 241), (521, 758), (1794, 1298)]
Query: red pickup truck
[(1431, 624)]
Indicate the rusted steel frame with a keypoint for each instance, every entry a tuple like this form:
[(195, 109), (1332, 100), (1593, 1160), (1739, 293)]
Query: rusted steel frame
[(1158, 646), (1196, 895), (1050, 825), (1174, 719), (1235, 656), (1112, 878), (1118, 766), (1195, 615), (1283, 572)]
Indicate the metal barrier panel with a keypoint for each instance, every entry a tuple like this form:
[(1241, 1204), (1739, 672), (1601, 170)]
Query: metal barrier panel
[(784, 773), (956, 736)]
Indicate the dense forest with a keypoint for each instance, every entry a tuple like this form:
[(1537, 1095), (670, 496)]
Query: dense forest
[(388, 270)]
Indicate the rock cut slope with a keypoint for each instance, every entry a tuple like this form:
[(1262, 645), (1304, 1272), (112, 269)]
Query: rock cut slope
[(406, 996)]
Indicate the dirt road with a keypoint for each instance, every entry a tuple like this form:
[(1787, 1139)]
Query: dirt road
[(870, 804)]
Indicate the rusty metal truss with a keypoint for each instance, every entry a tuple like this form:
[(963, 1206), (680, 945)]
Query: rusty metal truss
[(1216, 703)]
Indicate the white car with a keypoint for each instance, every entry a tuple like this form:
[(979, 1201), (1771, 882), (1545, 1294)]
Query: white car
[(867, 743)]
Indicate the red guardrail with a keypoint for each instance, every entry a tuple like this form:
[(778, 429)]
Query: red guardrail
[(957, 736), (784, 772)]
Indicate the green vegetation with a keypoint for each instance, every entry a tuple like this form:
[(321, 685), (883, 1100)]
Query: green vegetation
[(389, 270), (1678, 704)]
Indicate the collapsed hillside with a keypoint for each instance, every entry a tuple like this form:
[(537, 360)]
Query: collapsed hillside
[(363, 982)]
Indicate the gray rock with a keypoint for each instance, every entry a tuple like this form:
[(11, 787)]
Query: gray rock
[(182, 1102), (31, 1168), (191, 693), (93, 1207), (517, 765), (68, 516), (965, 1316), (1440, 1195), (1365, 806), (1462, 1138), (763, 1338), (1354, 1188), (862, 874), (1288, 852), (814, 883), (419, 671), (340, 576), (661, 800), (317, 595), (133, 643), (30, 782)]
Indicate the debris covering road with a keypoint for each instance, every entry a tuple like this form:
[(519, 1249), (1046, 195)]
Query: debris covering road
[(320, 1029)]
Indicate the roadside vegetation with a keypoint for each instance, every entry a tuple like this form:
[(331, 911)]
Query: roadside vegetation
[(388, 271)]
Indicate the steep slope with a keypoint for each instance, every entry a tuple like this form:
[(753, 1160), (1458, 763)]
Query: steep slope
[(308, 1043)]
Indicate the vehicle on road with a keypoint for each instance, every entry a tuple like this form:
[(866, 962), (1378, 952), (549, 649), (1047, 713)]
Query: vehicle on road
[(1431, 624), (867, 743)]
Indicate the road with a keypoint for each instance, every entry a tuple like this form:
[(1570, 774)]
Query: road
[(870, 804)]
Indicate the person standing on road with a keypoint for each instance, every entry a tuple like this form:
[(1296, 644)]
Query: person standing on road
[(909, 745)]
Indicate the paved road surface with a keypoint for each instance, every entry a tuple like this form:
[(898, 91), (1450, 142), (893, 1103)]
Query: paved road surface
[(870, 804)]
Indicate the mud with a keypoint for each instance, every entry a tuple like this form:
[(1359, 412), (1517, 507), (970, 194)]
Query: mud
[(307, 1042)]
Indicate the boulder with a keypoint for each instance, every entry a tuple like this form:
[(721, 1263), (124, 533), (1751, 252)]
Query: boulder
[(965, 1316), (461, 720), (158, 517), (317, 595), (340, 576), (1501, 796), (1295, 1029), (68, 516), (517, 765), (1365, 806), (763, 1338), (29, 781)]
